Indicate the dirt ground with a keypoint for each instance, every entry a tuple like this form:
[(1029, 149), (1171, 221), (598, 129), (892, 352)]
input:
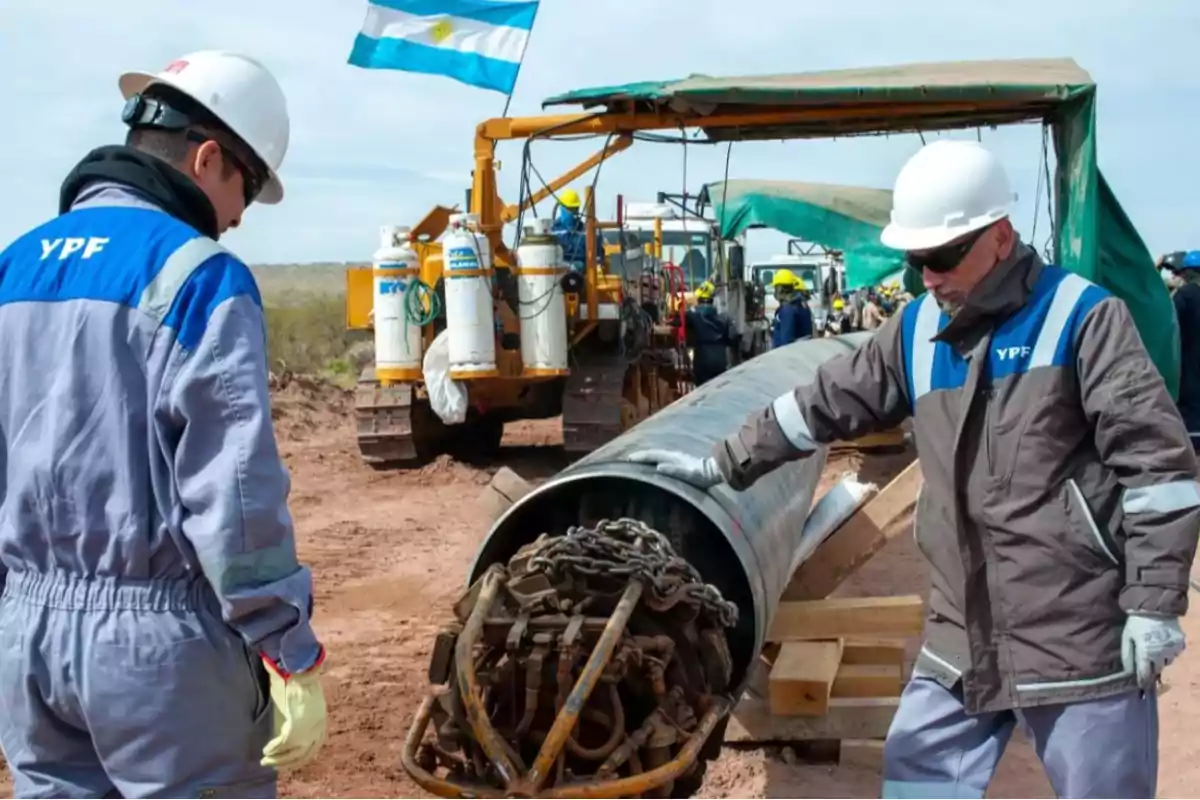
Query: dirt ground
[(390, 553)]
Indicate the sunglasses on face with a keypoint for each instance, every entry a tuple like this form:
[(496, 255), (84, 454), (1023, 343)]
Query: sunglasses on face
[(946, 258), (252, 182)]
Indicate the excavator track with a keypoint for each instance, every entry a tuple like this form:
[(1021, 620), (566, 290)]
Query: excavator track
[(384, 417), (396, 428), (592, 403)]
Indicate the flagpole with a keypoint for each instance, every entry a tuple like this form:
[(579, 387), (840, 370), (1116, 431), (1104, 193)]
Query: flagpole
[(532, 23)]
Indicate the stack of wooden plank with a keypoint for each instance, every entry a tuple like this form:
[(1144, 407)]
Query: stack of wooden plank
[(830, 677)]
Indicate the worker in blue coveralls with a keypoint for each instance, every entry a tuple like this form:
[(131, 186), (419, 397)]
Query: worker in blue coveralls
[(710, 334), (155, 636), (793, 318), (571, 231)]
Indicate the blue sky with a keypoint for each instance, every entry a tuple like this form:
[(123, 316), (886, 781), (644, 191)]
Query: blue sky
[(372, 147)]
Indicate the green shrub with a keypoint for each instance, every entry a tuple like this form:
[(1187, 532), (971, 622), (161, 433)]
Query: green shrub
[(310, 336)]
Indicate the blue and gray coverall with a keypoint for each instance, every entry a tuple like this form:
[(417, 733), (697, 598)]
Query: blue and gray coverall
[(793, 320), (146, 549)]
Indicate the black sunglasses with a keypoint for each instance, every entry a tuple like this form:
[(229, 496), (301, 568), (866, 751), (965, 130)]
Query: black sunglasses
[(151, 112), (946, 258), (251, 182)]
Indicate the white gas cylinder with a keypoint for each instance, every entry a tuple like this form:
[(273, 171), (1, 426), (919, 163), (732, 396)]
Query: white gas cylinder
[(543, 308), (485, 246), (469, 302), (396, 269)]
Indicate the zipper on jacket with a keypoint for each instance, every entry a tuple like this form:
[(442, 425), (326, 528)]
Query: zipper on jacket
[(1101, 540)]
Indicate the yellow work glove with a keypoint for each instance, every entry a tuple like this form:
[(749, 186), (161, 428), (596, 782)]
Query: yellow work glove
[(299, 704)]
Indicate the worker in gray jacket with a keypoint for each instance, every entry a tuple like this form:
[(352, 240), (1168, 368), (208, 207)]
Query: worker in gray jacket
[(155, 624), (1059, 512)]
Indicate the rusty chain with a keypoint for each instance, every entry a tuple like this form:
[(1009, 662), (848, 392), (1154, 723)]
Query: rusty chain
[(630, 549)]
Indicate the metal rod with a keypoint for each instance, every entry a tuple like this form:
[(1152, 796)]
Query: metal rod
[(640, 785), (565, 722), (849, 117), (468, 682), (426, 781)]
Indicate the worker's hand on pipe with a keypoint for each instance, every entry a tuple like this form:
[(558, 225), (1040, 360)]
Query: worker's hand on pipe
[(702, 473), (299, 704), (1148, 644)]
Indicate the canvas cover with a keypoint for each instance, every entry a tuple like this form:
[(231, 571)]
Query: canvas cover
[(846, 218), (1094, 236)]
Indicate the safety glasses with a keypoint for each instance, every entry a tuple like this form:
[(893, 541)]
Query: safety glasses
[(946, 258), (252, 181)]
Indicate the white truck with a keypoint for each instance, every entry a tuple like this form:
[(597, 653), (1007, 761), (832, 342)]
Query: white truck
[(691, 242), (811, 263)]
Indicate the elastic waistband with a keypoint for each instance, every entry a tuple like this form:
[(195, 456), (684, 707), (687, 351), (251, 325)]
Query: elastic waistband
[(69, 592)]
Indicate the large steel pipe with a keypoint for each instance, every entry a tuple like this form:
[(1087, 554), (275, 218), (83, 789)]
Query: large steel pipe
[(741, 542)]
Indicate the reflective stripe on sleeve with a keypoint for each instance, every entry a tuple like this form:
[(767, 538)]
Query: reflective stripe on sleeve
[(1162, 498), (791, 422)]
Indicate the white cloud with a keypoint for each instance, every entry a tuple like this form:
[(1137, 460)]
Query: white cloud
[(370, 147)]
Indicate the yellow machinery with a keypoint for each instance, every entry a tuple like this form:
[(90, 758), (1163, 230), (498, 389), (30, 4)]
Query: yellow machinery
[(626, 359)]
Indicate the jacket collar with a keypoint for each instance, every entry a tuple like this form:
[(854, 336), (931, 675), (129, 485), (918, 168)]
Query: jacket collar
[(1000, 294), (155, 180)]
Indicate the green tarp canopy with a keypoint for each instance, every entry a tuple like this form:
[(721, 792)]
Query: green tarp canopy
[(846, 218), (1093, 235)]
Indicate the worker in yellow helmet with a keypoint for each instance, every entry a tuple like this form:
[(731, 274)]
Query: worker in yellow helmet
[(793, 319), (571, 232), (835, 321), (710, 334)]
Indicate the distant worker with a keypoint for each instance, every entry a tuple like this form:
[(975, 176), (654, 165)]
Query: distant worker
[(854, 310), (571, 231), (1059, 511), (155, 636), (1187, 309), (793, 318), (709, 334), (872, 314), (1170, 267), (835, 322)]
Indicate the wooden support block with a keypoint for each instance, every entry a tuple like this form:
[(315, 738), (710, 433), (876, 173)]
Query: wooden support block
[(861, 753), (505, 488), (858, 538), (841, 617), (873, 651), (847, 718), (866, 680), (802, 677)]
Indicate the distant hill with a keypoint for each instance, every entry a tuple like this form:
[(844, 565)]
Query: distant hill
[(284, 284)]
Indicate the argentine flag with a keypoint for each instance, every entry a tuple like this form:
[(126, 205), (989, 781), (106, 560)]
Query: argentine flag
[(477, 42)]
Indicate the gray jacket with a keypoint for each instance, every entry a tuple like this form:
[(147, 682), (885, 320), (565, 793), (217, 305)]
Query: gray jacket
[(136, 418), (1060, 487)]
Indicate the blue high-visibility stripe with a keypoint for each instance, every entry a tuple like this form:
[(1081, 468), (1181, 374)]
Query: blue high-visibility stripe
[(401, 54), (1015, 341), (139, 241), (137, 244), (512, 15), (1064, 353), (1041, 334), (949, 368), (220, 278)]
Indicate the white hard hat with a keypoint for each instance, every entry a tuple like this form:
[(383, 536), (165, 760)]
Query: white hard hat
[(240, 92), (947, 190)]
